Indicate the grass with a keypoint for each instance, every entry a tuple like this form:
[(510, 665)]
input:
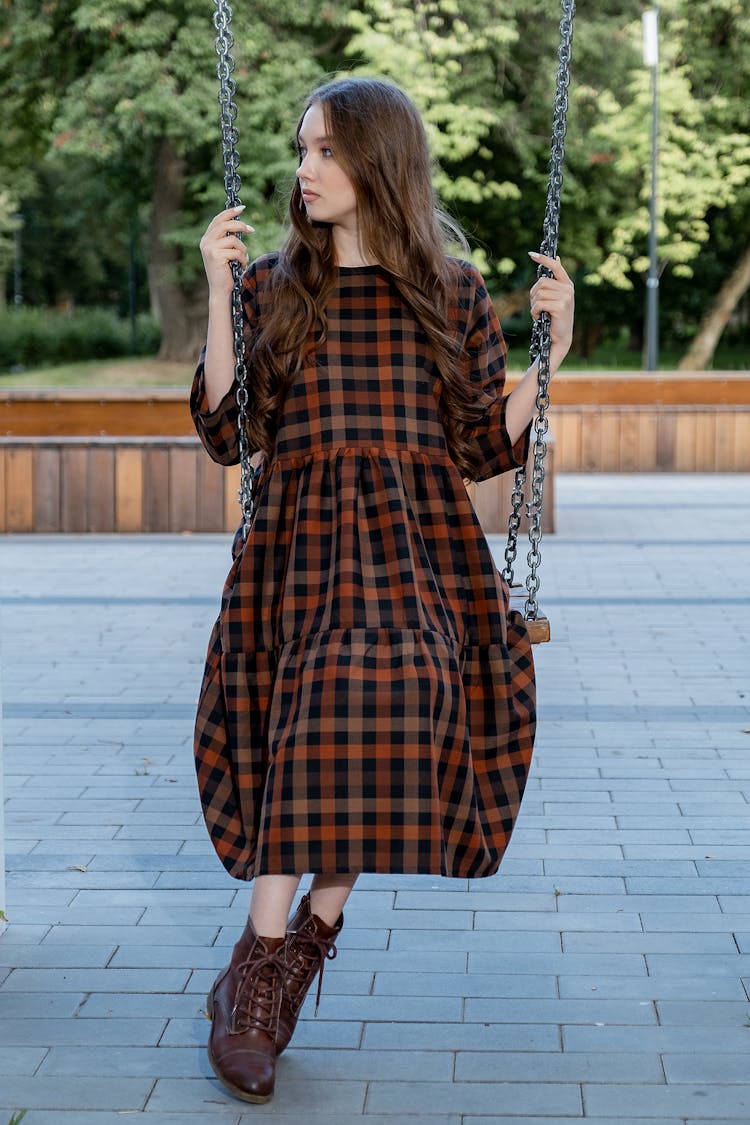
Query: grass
[(611, 358), (145, 372), (138, 372)]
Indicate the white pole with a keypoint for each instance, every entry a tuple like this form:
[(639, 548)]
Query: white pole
[(651, 37), (651, 60)]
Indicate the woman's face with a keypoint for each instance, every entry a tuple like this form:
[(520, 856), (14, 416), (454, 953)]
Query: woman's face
[(327, 191)]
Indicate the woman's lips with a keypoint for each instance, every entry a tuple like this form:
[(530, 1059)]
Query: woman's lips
[(310, 196)]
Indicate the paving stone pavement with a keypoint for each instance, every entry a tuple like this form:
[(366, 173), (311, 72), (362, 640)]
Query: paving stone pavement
[(602, 974)]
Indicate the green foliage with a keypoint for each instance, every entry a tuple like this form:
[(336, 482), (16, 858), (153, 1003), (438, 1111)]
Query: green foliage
[(105, 80), (449, 55), (33, 336), (704, 154), (89, 89)]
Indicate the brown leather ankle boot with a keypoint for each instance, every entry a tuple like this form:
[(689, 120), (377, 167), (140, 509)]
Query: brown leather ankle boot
[(309, 942), (244, 1006)]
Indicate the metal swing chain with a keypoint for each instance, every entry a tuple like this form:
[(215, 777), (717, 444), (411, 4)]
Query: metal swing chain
[(232, 186), (540, 339)]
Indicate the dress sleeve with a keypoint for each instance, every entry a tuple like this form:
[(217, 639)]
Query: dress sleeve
[(218, 429), (483, 359)]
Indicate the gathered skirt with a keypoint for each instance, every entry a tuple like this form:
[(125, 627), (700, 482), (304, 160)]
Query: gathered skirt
[(399, 744)]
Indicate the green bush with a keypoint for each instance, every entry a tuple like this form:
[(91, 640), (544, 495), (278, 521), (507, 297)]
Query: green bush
[(40, 337)]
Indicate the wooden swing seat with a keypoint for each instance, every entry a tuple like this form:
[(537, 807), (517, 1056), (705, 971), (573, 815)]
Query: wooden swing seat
[(539, 630)]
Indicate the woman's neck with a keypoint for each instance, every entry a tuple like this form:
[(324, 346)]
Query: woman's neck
[(349, 248)]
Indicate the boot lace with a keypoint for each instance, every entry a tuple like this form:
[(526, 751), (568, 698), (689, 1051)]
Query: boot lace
[(258, 996), (309, 954)]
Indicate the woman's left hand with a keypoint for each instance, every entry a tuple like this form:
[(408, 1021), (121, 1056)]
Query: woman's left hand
[(554, 295)]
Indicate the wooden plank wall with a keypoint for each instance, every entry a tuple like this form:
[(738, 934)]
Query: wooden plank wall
[(162, 412), (154, 484), (169, 484), (114, 484), (633, 439)]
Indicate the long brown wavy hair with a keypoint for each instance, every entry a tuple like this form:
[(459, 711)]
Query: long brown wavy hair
[(378, 138)]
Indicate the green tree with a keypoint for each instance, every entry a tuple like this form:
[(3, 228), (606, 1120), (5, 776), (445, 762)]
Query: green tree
[(484, 78), (704, 158), (110, 121), (704, 152), (127, 89)]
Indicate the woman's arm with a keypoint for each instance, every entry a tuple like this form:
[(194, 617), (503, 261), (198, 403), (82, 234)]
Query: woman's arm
[(556, 296), (219, 247)]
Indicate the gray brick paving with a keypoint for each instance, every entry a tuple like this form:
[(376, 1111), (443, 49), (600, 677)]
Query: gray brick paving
[(21, 1060), (115, 1094), (602, 976), (472, 1119), (654, 988), (135, 1062), (516, 1066), (476, 1097), (293, 1096), (730, 1102), (108, 1032), (164, 1005), (92, 1117)]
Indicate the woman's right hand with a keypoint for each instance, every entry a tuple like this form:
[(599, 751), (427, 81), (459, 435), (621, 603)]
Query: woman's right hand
[(220, 246)]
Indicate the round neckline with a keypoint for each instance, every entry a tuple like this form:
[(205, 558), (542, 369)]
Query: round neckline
[(359, 269)]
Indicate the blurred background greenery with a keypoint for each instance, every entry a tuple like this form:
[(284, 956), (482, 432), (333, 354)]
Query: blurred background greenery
[(110, 163)]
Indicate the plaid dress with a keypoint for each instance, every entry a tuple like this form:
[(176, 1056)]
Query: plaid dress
[(368, 701)]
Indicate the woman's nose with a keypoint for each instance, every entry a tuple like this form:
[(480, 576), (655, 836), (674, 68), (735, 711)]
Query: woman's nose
[(304, 169)]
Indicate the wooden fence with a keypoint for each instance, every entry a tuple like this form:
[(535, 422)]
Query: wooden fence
[(113, 484), (113, 460), (105, 484), (648, 439), (160, 412)]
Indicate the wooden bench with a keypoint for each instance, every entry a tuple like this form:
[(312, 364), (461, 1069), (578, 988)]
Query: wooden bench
[(102, 484), (149, 484), (163, 411), (652, 439), (628, 421)]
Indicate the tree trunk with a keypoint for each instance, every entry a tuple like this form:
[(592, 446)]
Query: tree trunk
[(701, 351), (586, 337), (181, 313), (508, 304)]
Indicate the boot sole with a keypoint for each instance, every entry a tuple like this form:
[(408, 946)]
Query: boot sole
[(256, 1099)]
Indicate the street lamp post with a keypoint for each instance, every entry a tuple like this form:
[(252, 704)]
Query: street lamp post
[(651, 60)]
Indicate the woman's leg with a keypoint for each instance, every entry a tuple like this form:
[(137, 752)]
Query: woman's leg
[(270, 903), (328, 895), (311, 940), (246, 998)]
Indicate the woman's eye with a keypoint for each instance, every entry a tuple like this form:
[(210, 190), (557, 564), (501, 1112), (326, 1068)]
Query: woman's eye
[(327, 151), (301, 154)]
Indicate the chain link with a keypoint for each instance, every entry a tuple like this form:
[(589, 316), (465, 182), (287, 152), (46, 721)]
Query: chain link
[(232, 186), (540, 339)]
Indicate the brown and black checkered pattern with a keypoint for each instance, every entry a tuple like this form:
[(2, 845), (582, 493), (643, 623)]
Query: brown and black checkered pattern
[(368, 702)]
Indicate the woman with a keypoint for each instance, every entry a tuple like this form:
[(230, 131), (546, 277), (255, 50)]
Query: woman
[(368, 700)]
